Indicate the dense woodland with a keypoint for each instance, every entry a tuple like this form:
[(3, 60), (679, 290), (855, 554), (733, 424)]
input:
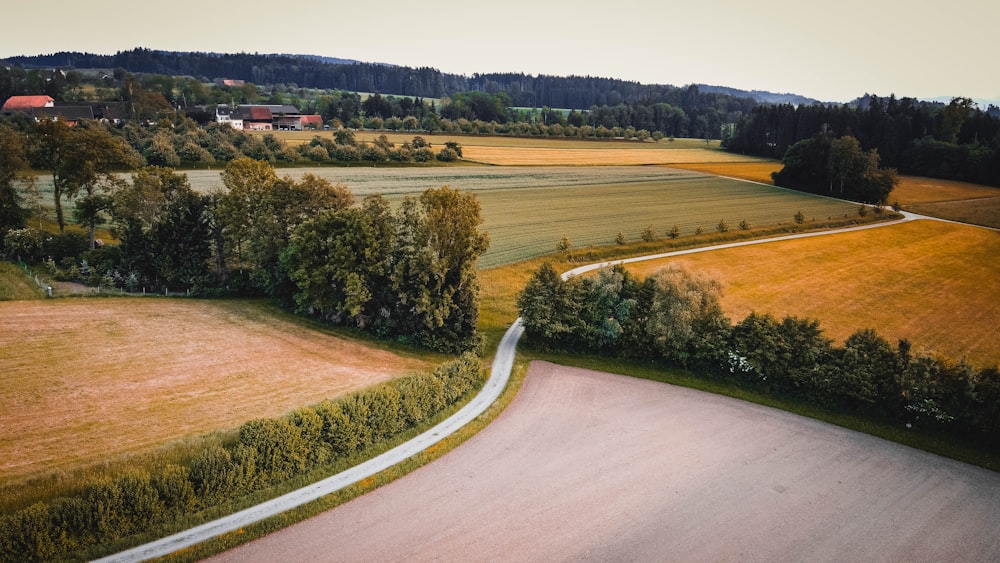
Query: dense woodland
[(675, 317), (957, 141)]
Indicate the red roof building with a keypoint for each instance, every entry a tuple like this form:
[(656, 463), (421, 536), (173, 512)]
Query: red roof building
[(26, 103)]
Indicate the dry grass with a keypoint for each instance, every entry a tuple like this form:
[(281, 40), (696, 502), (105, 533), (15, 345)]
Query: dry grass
[(759, 171), (88, 380), (934, 283), (948, 199)]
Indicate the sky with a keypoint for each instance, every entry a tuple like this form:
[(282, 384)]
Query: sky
[(832, 52)]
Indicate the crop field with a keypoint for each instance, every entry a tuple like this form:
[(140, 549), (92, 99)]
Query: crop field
[(438, 140), (527, 210), (936, 284), (956, 201), (758, 171), (87, 380)]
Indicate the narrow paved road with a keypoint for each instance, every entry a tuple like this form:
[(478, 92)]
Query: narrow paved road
[(499, 374)]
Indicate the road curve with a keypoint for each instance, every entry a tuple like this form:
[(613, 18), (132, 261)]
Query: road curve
[(499, 374)]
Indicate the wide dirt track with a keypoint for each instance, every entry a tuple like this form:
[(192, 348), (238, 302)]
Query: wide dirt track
[(586, 465)]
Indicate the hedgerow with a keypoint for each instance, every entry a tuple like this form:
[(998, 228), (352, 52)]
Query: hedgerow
[(265, 453)]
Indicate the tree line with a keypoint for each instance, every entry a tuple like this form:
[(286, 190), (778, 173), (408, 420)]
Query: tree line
[(155, 501), (500, 99), (955, 141), (579, 92), (675, 317), (407, 274)]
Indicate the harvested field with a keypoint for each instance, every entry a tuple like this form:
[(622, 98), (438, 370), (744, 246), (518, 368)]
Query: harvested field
[(86, 380), (586, 465), (947, 199), (936, 284), (759, 171), (533, 156)]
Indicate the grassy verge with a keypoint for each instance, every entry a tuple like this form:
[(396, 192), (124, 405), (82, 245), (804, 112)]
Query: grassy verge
[(260, 529), (16, 285), (947, 446)]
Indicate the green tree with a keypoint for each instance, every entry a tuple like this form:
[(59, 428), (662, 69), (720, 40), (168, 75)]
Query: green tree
[(550, 309), (680, 304), (13, 214), (449, 304), (80, 157)]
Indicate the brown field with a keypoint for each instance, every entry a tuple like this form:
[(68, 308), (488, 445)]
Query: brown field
[(936, 284), (89, 380), (589, 466)]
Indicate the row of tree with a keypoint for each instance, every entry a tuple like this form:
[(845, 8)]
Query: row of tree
[(674, 316), (265, 453), (954, 141), (408, 274)]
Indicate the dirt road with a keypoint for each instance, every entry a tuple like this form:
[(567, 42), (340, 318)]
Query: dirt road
[(585, 465)]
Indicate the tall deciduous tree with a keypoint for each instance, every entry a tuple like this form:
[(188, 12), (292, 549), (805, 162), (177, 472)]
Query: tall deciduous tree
[(13, 214), (79, 158)]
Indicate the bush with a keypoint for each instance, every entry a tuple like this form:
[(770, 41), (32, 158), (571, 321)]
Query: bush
[(447, 155), (60, 246)]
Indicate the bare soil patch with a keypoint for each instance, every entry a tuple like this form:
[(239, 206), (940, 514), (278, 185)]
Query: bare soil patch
[(586, 465), (89, 379)]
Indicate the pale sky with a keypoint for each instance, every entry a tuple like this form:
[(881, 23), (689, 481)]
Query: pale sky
[(832, 52)]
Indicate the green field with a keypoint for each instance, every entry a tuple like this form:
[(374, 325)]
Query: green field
[(527, 210)]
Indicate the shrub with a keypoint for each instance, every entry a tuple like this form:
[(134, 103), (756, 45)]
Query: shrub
[(447, 155), (648, 234), (674, 232), (722, 226), (620, 238)]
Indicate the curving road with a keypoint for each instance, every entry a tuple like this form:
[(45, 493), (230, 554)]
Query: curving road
[(499, 375)]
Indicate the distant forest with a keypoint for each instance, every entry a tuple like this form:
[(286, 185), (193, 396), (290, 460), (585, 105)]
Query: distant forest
[(957, 141), (573, 92)]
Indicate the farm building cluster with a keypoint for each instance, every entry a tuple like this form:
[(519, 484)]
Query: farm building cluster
[(249, 117)]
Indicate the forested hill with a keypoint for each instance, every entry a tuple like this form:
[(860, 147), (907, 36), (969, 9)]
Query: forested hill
[(576, 92)]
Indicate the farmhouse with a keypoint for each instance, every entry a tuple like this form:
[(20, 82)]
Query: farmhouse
[(26, 103), (254, 117), (44, 107)]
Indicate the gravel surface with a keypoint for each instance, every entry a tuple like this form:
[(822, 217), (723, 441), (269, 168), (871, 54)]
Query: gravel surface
[(586, 465)]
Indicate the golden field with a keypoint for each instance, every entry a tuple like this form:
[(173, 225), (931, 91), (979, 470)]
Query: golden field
[(936, 284)]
